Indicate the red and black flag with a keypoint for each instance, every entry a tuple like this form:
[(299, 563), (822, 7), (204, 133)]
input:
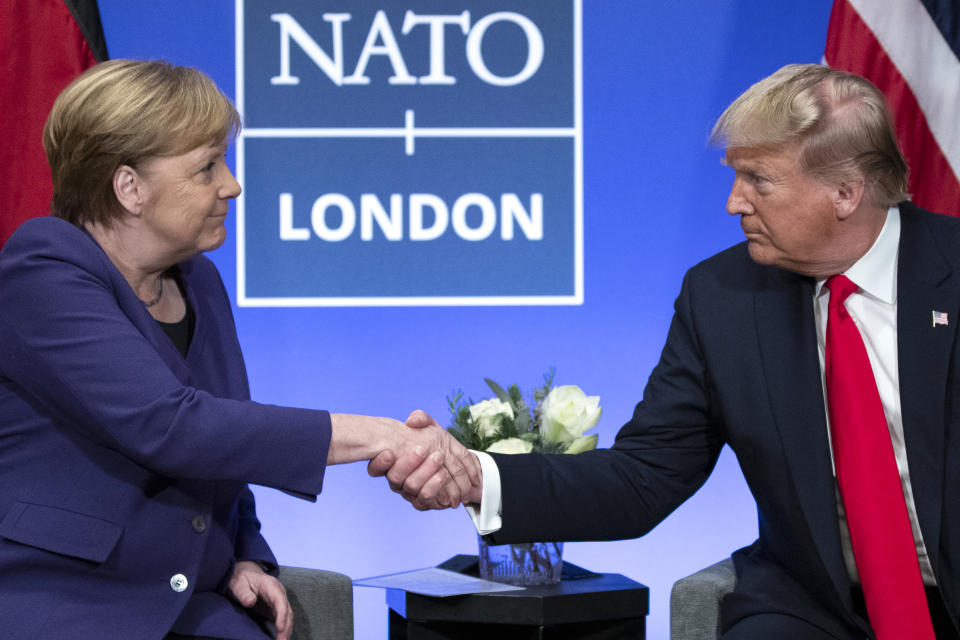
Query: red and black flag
[(44, 44)]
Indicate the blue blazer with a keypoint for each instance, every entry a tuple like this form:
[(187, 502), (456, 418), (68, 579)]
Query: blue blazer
[(740, 368), (123, 465)]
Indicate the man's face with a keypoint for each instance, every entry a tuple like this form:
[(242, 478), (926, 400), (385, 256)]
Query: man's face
[(790, 219)]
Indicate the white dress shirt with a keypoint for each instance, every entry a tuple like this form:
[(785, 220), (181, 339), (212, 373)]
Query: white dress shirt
[(874, 310), (487, 519)]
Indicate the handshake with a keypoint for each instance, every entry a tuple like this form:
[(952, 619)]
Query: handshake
[(421, 461)]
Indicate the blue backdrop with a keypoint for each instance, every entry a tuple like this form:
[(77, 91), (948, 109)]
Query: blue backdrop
[(655, 77)]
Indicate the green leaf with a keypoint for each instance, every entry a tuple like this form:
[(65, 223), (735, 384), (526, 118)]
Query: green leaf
[(508, 428), (498, 391), (540, 393), (459, 410), (463, 436), (523, 420)]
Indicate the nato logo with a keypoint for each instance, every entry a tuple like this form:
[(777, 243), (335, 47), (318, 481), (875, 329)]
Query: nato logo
[(426, 152)]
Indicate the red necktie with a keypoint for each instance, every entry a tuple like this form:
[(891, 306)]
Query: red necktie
[(883, 545)]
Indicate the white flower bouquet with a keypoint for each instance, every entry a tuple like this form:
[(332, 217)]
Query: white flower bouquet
[(506, 424)]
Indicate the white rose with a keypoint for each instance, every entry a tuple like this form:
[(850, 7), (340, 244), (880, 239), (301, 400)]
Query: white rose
[(511, 445), (487, 414), (567, 412)]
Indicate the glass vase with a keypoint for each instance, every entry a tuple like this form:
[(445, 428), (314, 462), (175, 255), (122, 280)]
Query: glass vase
[(526, 564)]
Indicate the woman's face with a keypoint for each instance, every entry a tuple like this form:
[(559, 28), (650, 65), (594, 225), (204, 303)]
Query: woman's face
[(185, 200)]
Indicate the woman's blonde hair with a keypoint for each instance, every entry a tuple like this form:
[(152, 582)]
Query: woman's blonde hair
[(122, 112), (840, 121)]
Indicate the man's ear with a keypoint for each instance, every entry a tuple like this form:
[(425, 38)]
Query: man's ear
[(847, 197), (128, 188)]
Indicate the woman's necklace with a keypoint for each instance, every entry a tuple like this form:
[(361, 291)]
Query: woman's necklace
[(159, 293)]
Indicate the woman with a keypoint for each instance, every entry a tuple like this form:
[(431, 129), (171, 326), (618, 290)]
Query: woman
[(127, 436)]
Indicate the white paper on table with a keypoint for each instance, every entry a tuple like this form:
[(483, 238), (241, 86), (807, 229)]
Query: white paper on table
[(434, 582)]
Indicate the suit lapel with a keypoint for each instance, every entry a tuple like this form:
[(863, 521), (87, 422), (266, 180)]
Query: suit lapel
[(148, 327), (924, 285), (788, 345)]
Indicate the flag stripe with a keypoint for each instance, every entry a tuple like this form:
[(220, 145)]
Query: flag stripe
[(931, 70), (946, 15), (852, 45), (87, 15), (41, 50)]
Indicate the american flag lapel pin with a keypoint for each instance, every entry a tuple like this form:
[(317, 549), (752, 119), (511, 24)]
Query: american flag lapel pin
[(940, 317)]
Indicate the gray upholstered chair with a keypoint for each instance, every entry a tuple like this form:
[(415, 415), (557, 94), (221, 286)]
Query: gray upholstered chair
[(695, 602), (322, 603)]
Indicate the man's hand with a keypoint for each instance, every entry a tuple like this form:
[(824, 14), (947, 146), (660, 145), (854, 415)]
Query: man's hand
[(250, 585), (442, 478)]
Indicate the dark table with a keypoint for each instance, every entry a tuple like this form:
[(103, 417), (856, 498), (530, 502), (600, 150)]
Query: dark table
[(583, 606)]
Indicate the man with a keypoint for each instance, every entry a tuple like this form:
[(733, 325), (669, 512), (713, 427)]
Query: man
[(762, 355)]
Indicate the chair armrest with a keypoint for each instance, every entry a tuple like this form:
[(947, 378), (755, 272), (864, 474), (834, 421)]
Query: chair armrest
[(695, 602), (322, 603)]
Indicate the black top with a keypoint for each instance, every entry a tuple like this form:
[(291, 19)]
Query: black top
[(180, 332)]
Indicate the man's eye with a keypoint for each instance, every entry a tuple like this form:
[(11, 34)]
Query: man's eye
[(210, 166)]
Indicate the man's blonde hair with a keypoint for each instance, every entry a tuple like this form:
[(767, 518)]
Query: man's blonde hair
[(122, 112), (839, 120)]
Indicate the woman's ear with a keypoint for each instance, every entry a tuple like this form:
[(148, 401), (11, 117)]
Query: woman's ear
[(128, 187)]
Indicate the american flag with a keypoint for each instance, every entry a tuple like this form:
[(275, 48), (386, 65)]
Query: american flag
[(940, 317), (910, 49)]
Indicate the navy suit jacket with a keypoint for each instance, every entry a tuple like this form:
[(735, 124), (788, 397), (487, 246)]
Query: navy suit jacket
[(740, 368), (122, 463)]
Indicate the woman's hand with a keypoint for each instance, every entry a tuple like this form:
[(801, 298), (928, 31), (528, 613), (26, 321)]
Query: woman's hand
[(250, 585), (357, 437), (431, 480)]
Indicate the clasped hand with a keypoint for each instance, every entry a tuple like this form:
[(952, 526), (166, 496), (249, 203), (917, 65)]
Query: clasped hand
[(430, 469)]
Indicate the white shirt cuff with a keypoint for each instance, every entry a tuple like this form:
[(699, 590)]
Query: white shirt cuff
[(488, 519)]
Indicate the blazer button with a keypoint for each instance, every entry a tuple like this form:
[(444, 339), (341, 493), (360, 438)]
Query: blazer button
[(199, 524), (179, 583)]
